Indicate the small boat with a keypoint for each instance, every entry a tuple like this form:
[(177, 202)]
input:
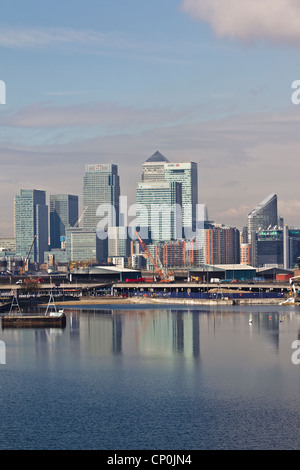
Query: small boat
[(51, 318)]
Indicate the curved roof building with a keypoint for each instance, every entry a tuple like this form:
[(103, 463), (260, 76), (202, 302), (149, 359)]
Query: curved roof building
[(263, 216)]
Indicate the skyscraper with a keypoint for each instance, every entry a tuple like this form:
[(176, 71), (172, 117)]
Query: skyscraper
[(154, 168), (186, 174), (263, 216), (84, 245), (101, 191), (63, 214), (159, 210), (31, 220), (157, 169)]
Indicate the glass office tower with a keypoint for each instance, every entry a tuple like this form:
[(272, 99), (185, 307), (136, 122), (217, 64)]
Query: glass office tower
[(31, 219), (63, 214), (154, 168), (159, 210), (187, 175), (158, 169), (101, 191), (263, 216), (84, 245)]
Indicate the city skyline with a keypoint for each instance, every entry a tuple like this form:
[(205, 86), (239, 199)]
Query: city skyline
[(111, 198), (158, 195), (122, 79)]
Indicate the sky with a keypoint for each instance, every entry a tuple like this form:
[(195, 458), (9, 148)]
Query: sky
[(113, 81)]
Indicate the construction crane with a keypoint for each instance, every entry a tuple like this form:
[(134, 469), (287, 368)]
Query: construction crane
[(164, 276), (25, 267), (167, 275)]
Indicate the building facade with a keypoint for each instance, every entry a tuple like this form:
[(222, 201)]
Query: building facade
[(63, 214), (31, 224), (245, 253), (220, 245), (185, 173), (174, 254), (84, 245), (154, 168), (279, 247), (159, 210), (101, 193), (159, 177), (118, 242), (263, 216)]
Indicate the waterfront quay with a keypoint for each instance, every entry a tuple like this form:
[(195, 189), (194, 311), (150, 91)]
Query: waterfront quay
[(204, 293), (98, 291)]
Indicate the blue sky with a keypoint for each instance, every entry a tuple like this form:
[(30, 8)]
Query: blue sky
[(115, 80)]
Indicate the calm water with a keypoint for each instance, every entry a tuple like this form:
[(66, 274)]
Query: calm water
[(154, 379)]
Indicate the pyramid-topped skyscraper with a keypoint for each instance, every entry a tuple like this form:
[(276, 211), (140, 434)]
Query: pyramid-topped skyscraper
[(157, 157), (153, 168), (174, 182)]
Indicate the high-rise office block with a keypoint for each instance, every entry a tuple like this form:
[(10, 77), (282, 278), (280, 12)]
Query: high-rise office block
[(63, 214), (263, 216), (159, 210), (31, 220), (154, 168), (186, 174), (84, 245), (267, 248), (118, 242), (275, 246), (292, 239), (157, 169), (101, 192)]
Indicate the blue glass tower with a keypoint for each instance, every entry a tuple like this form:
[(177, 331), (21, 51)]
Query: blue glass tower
[(31, 220)]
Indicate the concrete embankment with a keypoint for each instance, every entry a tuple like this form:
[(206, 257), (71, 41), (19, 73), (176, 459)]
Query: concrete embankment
[(156, 301), (218, 301)]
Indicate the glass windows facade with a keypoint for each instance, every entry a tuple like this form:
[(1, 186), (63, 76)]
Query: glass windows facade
[(263, 216), (159, 210), (63, 214), (187, 175), (31, 219), (101, 187), (84, 245)]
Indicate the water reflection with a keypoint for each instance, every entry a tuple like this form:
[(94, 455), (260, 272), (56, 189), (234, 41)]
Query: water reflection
[(161, 333)]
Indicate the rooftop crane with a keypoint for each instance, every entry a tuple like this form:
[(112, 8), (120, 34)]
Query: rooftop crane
[(25, 267), (164, 276)]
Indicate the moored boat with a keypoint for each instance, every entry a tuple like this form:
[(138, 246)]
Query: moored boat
[(17, 319)]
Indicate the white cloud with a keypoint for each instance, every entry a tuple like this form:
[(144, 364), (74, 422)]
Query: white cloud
[(247, 20)]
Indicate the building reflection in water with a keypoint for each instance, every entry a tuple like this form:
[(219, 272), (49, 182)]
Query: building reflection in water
[(156, 333), (117, 334)]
